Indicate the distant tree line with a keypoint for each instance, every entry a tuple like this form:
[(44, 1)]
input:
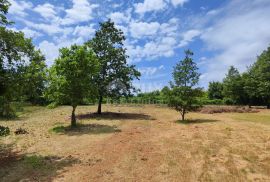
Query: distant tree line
[(249, 88)]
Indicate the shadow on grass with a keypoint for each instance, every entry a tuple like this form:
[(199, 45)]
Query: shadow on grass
[(114, 115), (85, 129), (196, 121), (18, 167)]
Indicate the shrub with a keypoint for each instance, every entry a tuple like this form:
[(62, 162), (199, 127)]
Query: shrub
[(4, 131)]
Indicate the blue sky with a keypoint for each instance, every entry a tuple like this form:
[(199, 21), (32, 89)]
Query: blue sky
[(220, 32)]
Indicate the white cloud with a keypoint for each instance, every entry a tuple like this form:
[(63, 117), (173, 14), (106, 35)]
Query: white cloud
[(50, 50), (46, 10), (118, 17), (188, 37), (163, 47), (140, 29), (150, 71), (19, 7), (47, 28), (31, 33), (149, 5), (179, 2), (240, 33), (81, 11), (84, 31)]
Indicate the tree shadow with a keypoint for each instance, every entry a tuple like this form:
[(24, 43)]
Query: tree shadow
[(86, 129), (114, 116), (196, 121), (20, 167)]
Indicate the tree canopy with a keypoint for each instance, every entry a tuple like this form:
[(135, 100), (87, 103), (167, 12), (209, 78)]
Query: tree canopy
[(115, 76), (71, 77)]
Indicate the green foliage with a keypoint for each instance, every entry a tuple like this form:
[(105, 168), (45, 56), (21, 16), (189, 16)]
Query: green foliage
[(15, 52), (71, 77), (183, 97), (233, 87), (35, 78), (215, 90), (115, 76), (4, 131), (4, 6), (257, 80)]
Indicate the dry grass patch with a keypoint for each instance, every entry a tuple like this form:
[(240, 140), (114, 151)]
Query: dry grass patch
[(152, 146), (227, 109)]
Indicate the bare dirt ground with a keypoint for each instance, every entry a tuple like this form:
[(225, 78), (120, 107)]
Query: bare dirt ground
[(137, 144)]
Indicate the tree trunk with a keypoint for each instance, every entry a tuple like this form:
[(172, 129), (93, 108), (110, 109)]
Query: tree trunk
[(99, 105), (183, 114), (268, 106), (183, 117), (73, 117)]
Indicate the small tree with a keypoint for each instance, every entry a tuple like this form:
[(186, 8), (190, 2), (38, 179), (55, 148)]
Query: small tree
[(116, 76), (183, 97), (71, 77)]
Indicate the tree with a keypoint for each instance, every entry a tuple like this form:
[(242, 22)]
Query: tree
[(215, 90), (4, 6), (183, 97), (115, 76), (233, 87), (35, 78), (257, 82), (71, 77), (15, 52)]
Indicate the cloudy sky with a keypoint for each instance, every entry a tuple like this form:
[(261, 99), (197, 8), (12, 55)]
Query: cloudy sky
[(220, 32)]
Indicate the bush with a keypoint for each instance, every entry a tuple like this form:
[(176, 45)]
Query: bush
[(4, 131)]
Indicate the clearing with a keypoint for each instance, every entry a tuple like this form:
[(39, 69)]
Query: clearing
[(145, 143)]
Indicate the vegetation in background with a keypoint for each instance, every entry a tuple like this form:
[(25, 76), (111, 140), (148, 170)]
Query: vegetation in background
[(250, 88), (115, 76), (183, 96)]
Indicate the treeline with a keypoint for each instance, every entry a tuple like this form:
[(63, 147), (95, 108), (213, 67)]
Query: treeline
[(249, 88)]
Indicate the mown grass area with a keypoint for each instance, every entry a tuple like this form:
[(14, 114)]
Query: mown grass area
[(263, 117)]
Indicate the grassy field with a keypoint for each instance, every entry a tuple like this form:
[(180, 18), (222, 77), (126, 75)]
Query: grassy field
[(136, 144)]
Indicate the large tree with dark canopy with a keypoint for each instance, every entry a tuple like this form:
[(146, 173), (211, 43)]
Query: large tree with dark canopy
[(115, 76), (257, 80)]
